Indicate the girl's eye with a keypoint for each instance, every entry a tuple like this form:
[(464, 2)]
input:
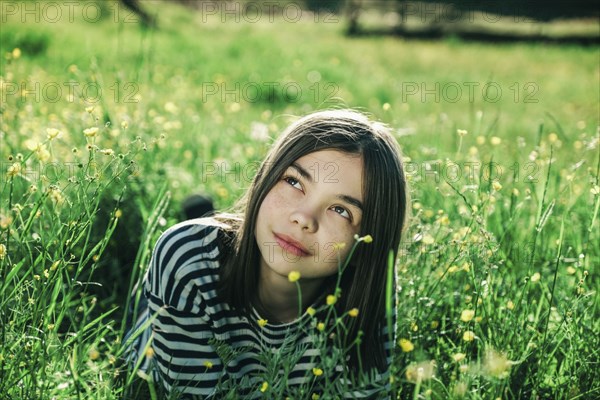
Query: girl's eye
[(293, 182), (342, 211)]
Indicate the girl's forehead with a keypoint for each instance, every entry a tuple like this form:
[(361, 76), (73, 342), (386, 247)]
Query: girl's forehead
[(328, 155)]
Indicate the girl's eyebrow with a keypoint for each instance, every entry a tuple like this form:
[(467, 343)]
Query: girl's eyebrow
[(344, 197), (351, 200), (303, 173)]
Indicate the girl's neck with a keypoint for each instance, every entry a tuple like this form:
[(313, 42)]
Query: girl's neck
[(277, 299)]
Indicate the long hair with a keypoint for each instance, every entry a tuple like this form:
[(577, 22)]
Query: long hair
[(385, 198)]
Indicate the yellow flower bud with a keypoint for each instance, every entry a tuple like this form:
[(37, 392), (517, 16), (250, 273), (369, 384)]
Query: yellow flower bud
[(469, 336), (331, 300), (293, 276), (264, 387), (406, 345), (467, 315)]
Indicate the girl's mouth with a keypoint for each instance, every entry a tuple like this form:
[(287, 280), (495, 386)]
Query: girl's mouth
[(291, 245)]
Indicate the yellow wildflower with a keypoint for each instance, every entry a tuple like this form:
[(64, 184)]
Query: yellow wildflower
[(367, 239), (461, 132), (264, 387), (13, 170), (496, 364), (2, 251), (262, 322), (339, 246), (353, 313), (467, 315), (458, 357), (52, 133), (293, 276), (315, 396), (90, 132), (149, 352), (536, 277), (311, 311), (207, 364), (317, 371), (331, 300), (428, 239), (444, 220), (418, 372), (406, 345), (321, 326), (496, 186), (469, 336), (93, 354)]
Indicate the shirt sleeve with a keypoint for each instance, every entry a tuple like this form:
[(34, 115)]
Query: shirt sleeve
[(173, 328)]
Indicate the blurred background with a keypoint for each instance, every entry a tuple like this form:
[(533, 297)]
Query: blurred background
[(114, 112)]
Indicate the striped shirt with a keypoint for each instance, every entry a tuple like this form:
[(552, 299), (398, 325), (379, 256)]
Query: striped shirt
[(198, 346)]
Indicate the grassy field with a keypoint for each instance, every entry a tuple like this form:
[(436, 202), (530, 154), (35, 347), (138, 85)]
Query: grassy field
[(105, 128)]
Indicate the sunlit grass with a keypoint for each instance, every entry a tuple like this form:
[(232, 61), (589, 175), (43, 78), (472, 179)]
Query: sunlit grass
[(498, 275)]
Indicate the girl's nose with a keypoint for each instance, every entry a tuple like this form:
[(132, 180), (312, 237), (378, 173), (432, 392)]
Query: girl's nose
[(305, 218)]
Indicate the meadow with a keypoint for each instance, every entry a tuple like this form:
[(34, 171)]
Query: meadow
[(105, 128)]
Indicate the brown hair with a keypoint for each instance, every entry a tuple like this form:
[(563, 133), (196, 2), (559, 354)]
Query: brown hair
[(385, 197)]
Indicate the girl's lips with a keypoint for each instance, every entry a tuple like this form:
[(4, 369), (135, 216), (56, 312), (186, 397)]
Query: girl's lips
[(291, 246)]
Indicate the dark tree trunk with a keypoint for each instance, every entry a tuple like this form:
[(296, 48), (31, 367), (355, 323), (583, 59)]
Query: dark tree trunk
[(133, 5)]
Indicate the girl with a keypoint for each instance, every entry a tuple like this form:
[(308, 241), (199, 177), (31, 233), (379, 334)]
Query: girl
[(288, 297)]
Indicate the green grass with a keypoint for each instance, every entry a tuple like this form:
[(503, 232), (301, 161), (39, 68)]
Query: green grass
[(79, 215)]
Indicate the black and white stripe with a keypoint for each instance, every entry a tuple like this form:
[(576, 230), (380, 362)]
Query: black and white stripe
[(181, 318)]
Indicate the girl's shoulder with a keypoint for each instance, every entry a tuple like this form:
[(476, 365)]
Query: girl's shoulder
[(214, 231), (197, 229)]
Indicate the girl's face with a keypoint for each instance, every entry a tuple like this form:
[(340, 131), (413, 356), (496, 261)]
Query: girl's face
[(308, 220)]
